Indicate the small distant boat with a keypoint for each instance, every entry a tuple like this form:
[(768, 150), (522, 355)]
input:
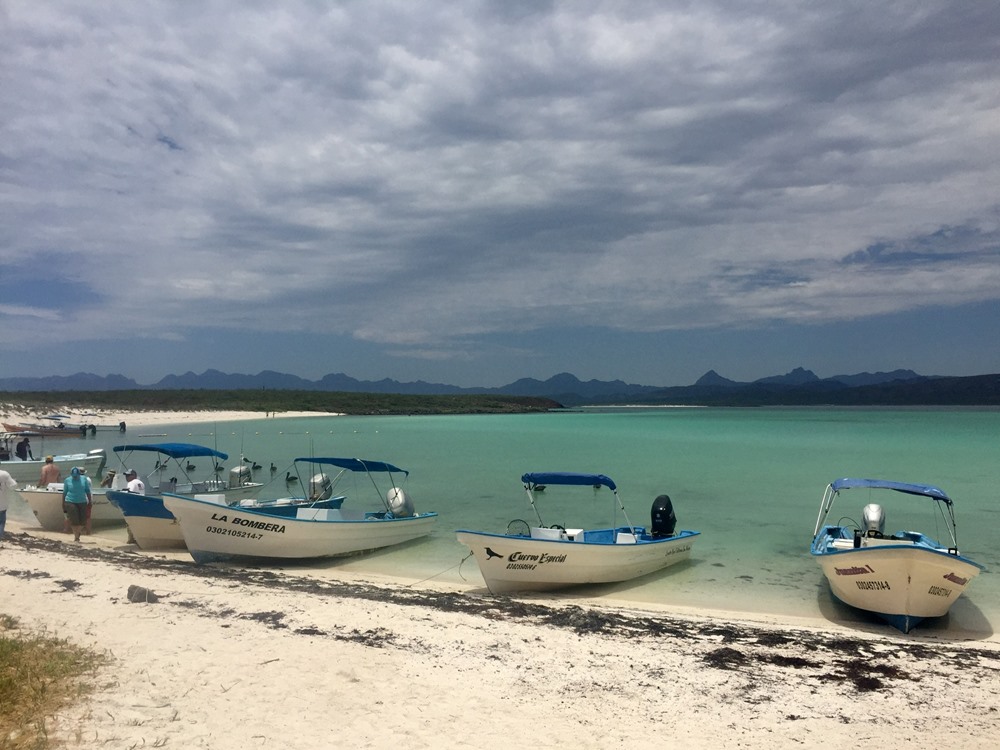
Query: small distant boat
[(149, 522), (234, 533), (904, 577), (47, 505), (541, 557), (41, 430), (57, 425)]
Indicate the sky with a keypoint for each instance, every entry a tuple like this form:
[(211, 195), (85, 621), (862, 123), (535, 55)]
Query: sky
[(470, 193)]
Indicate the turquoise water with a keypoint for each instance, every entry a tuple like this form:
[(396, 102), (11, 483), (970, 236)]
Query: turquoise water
[(749, 479)]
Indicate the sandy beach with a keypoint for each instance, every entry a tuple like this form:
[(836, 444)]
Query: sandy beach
[(12, 413), (229, 657)]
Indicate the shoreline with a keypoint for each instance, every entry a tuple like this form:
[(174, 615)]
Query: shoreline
[(140, 418), (201, 659)]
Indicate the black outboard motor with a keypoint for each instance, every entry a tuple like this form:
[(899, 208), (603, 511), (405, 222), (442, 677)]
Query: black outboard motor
[(663, 518)]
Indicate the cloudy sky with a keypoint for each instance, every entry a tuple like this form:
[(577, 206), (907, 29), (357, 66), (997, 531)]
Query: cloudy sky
[(473, 192)]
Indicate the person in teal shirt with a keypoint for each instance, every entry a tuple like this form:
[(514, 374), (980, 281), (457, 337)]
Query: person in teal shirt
[(77, 497)]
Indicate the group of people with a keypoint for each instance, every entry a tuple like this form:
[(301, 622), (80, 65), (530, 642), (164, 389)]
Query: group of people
[(77, 494)]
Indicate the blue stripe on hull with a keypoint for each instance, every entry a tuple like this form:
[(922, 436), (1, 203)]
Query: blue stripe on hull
[(130, 504)]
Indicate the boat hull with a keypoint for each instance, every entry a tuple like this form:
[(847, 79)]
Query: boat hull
[(27, 473), (47, 505), (154, 527), (901, 583), (512, 563), (214, 533)]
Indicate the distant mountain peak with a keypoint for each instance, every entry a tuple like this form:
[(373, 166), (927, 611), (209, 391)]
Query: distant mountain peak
[(712, 378)]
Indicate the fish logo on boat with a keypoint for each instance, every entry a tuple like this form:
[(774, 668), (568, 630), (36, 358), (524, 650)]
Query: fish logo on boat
[(490, 554)]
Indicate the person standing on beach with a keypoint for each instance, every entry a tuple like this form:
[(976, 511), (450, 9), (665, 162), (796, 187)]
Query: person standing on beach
[(50, 473), (7, 484), (77, 499), (137, 486)]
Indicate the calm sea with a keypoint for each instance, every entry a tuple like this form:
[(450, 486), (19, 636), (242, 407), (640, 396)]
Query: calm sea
[(749, 479)]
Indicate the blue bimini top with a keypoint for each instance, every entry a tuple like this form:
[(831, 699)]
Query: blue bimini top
[(924, 490), (569, 478), (354, 464), (174, 450)]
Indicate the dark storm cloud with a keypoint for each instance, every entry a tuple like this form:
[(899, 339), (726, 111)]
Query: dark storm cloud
[(512, 166)]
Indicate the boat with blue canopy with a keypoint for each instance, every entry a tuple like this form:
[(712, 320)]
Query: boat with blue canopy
[(150, 524), (540, 556), (903, 577), (238, 533)]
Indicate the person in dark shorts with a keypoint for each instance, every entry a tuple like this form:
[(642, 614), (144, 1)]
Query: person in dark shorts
[(77, 499)]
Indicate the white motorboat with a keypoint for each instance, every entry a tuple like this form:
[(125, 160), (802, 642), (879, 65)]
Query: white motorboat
[(47, 505), (903, 577), (30, 471), (543, 557), (216, 533)]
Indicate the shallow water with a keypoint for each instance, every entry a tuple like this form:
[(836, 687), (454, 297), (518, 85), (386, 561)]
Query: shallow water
[(749, 479)]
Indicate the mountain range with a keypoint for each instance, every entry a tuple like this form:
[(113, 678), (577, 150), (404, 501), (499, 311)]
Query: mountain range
[(797, 387)]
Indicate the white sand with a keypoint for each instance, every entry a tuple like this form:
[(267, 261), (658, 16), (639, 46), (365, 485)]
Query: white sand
[(249, 659), (253, 659), (12, 413)]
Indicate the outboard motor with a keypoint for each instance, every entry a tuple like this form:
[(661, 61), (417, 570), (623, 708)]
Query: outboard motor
[(399, 503), (240, 476), (320, 487), (662, 516), (104, 460), (873, 520)]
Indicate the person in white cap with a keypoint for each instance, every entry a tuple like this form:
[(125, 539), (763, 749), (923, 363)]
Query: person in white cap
[(135, 484)]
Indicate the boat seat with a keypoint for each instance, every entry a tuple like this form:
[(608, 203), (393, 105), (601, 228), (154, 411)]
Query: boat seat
[(624, 537), (213, 498), (883, 541), (318, 514), (540, 532)]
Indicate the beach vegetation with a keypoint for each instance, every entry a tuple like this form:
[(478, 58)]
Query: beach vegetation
[(39, 676), (277, 401)]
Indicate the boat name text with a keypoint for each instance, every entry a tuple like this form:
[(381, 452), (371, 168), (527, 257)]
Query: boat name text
[(541, 559), (250, 523), (856, 570), (957, 580), (525, 561)]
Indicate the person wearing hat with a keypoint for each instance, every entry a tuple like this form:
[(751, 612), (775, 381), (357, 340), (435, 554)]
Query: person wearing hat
[(50, 473), (135, 484), (77, 499)]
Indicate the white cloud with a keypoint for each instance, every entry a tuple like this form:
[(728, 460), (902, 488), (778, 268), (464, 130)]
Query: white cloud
[(416, 175)]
